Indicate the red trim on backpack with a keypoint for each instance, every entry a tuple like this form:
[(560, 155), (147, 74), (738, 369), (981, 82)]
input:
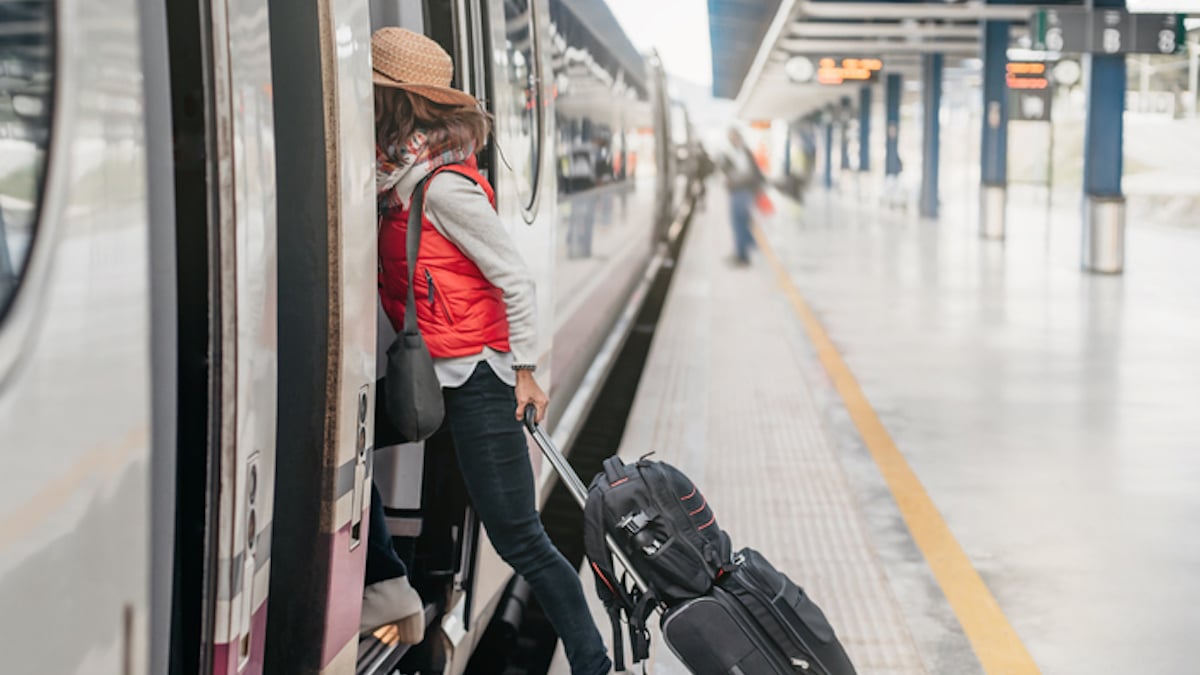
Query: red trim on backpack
[(710, 522), (623, 480), (693, 494), (704, 504), (596, 569)]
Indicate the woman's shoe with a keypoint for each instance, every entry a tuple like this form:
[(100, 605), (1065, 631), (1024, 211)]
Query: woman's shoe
[(393, 602)]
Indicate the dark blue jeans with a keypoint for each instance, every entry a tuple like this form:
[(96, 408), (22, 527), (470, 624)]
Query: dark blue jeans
[(494, 459), (740, 203)]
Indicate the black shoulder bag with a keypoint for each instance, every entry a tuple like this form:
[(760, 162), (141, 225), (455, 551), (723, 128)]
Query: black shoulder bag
[(413, 395)]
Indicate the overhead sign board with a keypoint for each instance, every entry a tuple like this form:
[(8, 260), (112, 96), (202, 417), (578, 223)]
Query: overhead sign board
[(1159, 33), (1107, 31), (837, 71), (1029, 94), (1026, 75), (829, 70), (1061, 31), (1029, 105)]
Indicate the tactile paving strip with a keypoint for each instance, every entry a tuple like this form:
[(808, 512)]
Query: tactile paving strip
[(724, 398)]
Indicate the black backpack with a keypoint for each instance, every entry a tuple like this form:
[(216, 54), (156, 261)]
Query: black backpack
[(662, 523)]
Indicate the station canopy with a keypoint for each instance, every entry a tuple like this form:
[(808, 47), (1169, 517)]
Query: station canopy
[(780, 59), (592, 23)]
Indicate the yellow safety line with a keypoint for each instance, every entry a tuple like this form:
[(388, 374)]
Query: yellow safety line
[(996, 644)]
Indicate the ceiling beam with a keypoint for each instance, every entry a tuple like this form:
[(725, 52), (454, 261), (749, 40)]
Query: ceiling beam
[(876, 47), (859, 29), (967, 11)]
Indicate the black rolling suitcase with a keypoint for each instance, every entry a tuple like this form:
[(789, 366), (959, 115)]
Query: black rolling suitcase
[(722, 613), (755, 620)]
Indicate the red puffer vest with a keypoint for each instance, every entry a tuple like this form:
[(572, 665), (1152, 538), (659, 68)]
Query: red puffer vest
[(459, 311)]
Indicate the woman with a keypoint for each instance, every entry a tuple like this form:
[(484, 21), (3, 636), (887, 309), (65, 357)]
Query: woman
[(476, 311)]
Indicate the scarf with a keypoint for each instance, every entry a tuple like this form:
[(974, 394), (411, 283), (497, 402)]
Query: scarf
[(398, 170)]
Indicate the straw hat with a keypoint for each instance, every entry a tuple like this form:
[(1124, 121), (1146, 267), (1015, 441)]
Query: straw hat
[(406, 60)]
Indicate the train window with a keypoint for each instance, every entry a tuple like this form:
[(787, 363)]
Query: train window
[(520, 125), (26, 47)]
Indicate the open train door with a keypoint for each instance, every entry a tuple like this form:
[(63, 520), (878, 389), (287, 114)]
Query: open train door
[(327, 294), (222, 121)]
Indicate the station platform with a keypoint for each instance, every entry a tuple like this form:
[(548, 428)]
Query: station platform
[(973, 456)]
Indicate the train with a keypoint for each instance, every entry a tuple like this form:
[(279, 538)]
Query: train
[(190, 334)]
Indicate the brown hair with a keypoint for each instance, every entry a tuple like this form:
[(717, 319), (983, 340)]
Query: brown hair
[(399, 113)]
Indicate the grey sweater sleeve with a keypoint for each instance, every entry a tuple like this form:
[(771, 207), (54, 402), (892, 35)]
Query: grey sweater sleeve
[(460, 211)]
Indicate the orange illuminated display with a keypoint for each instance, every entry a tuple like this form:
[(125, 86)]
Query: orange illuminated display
[(1024, 68), (1026, 75), (1028, 83), (830, 71)]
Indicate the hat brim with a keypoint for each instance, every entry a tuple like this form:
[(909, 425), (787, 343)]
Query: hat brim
[(443, 95)]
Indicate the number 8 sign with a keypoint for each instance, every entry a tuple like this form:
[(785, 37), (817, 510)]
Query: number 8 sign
[(1166, 41)]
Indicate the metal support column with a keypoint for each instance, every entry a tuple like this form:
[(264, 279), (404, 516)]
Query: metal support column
[(864, 129), (994, 153), (8, 267), (1103, 245), (1193, 76), (892, 102), (787, 151), (931, 67), (828, 120), (844, 113)]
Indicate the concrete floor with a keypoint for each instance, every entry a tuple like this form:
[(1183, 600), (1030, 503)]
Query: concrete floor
[(1050, 414), (729, 394)]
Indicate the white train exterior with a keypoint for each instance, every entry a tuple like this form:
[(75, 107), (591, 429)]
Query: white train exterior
[(189, 337)]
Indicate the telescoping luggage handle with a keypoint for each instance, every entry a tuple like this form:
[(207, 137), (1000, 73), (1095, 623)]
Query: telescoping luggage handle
[(574, 485)]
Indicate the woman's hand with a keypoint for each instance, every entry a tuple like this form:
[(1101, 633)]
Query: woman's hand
[(528, 392)]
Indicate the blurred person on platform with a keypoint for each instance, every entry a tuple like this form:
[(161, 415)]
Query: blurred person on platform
[(744, 180)]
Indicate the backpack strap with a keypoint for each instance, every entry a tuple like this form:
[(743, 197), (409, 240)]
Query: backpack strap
[(614, 470), (639, 635), (611, 589), (618, 640), (608, 586)]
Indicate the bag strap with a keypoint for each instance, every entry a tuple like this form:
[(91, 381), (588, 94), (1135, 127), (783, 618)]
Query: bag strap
[(412, 245), (639, 635), (614, 469), (612, 590), (618, 639), (608, 587)]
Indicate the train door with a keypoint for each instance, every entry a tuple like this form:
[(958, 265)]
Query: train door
[(75, 339), (222, 123), (421, 492), (320, 50)]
